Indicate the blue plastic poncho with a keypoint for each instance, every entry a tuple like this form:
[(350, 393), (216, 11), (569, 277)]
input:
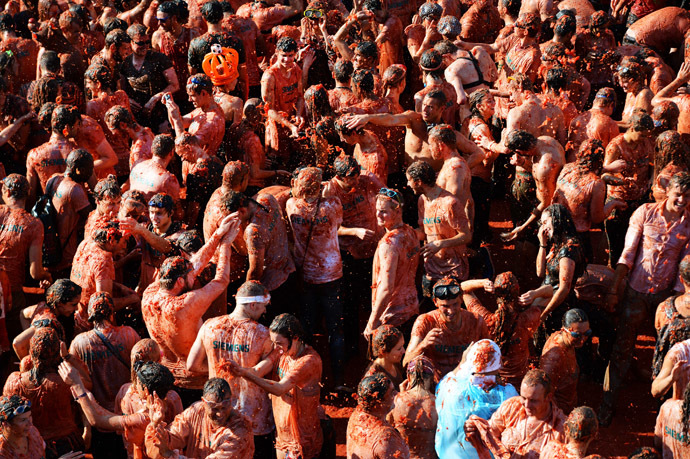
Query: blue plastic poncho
[(460, 395)]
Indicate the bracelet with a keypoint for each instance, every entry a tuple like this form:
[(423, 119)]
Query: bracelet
[(544, 246), (80, 396)]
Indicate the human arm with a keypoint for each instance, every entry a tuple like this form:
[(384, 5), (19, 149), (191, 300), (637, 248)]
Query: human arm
[(455, 80), (201, 258), (268, 95), (21, 342), (381, 119), (10, 131), (36, 262), (463, 237), (172, 87), (470, 150), (156, 242), (277, 388), (197, 359), (342, 33), (566, 272), (669, 91), (417, 344), (670, 372), (106, 156), (174, 116), (490, 48), (470, 299), (384, 284), (130, 16), (599, 209)]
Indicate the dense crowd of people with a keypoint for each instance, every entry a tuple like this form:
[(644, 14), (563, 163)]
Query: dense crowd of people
[(212, 210)]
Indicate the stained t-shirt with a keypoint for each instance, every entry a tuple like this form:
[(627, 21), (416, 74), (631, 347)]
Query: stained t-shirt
[(371, 437), (571, 249), (669, 431), (69, 199), (36, 447), (91, 264), (18, 230)]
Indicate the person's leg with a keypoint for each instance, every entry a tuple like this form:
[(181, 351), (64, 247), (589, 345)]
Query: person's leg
[(310, 310), (264, 446), (616, 227), (481, 194), (330, 299), (357, 285)]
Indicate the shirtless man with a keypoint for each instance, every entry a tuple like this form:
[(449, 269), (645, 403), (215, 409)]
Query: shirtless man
[(682, 100), (120, 122), (369, 151), (432, 65), (594, 124), (417, 129), (368, 432), (542, 158), (172, 310), (661, 30), (544, 8), (240, 338), (523, 425), (469, 72), (281, 90), (556, 81), (531, 114), (151, 176), (341, 96), (269, 14), (423, 34), (444, 334), (454, 176), (394, 293)]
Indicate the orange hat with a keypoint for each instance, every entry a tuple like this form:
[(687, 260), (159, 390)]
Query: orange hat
[(221, 65)]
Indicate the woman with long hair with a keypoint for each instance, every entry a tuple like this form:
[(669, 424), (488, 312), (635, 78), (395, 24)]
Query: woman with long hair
[(387, 349)]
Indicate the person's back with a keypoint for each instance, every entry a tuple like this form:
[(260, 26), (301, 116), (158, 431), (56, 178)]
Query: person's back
[(661, 30), (574, 190), (150, 178), (49, 159), (19, 230), (71, 200), (590, 125)]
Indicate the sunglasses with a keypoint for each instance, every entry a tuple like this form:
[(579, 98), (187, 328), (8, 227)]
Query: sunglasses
[(393, 194), (578, 335), (446, 292), (313, 14), (162, 19), (19, 410), (142, 43)]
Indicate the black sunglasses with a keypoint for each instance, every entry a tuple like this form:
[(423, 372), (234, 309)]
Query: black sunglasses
[(447, 292)]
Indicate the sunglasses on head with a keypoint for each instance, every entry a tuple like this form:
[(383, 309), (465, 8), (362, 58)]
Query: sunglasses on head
[(393, 194), (446, 292), (578, 335), (313, 14), (21, 409)]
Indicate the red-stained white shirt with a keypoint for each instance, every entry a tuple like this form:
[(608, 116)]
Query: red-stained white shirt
[(669, 431), (18, 230), (91, 264), (371, 437)]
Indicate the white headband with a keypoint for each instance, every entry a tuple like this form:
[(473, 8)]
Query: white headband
[(253, 299)]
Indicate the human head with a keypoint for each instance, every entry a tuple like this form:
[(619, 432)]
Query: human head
[(253, 297), (236, 175), (387, 342), (450, 27), (161, 207), (363, 84), (430, 12), (212, 12), (118, 43), (556, 79), (316, 101), (15, 416), (307, 183), (217, 400), (442, 141), (507, 287), (678, 192), (520, 86), (605, 100), (101, 307), (576, 326), (175, 271), (118, 119), (665, 115), (446, 297), (590, 155), (421, 372), (107, 194), (482, 363), (420, 175), (63, 297), (253, 112), (582, 424), (559, 224), (133, 204), (365, 56), (15, 187), (49, 62), (510, 8), (433, 104), (169, 15), (394, 77), (378, 8), (64, 119), (145, 350), (375, 393), (235, 201), (342, 71), (286, 51), (97, 78), (389, 208), (530, 23), (431, 63), (520, 142), (631, 76), (107, 234), (79, 165), (564, 27), (141, 41), (154, 377), (684, 270), (641, 126), (482, 104), (536, 392), (199, 90), (113, 23), (44, 349), (286, 333), (670, 147)]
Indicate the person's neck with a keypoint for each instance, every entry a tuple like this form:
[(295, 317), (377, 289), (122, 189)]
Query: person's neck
[(671, 214), (162, 229), (215, 28), (386, 365), (103, 325), (578, 448), (366, 141), (15, 203), (545, 415), (379, 412), (627, 137), (57, 137), (394, 226), (138, 60), (526, 41), (449, 153), (16, 441), (240, 313), (393, 94), (432, 192), (163, 162), (563, 40)]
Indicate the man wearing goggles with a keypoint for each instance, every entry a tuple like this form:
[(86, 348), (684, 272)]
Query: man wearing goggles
[(444, 334)]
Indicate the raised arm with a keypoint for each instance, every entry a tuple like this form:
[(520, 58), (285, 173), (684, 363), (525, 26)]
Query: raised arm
[(670, 372), (669, 91)]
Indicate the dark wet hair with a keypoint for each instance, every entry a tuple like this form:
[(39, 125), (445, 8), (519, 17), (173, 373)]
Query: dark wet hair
[(50, 61), (288, 326), (107, 188), (563, 226), (200, 82), (6, 22), (372, 390), (63, 116), (681, 180), (99, 74), (119, 114), (445, 46), (234, 173), (512, 7), (79, 159), (641, 122), (44, 349), (582, 424), (162, 201), (539, 377), (565, 25), (438, 95), (101, 307), (384, 339), (430, 10), (107, 232), (287, 45), (190, 241), (62, 291), (341, 127), (422, 171), (477, 98), (431, 61), (17, 186), (45, 115), (218, 387), (574, 316), (449, 26), (556, 79), (645, 452), (342, 71), (364, 81), (111, 24), (590, 155), (162, 145), (232, 201), (517, 139), (372, 5), (523, 82), (346, 166), (171, 270), (117, 37), (444, 133), (137, 30), (368, 49), (155, 377), (670, 148), (316, 99), (212, 12)]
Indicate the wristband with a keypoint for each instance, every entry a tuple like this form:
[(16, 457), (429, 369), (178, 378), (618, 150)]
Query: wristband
[(80, 396), (544, 246), (536, 212)]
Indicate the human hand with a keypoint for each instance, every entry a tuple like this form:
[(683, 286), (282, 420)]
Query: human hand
[(300, 121), (528, 297), (27, 117), (156, 408), (684, 72), (130, 225), (355, 121), (306, 55), (433, 337), (470, 429), (69, 374), (489, 286), (228, 224), (153, 101), (372, 325), (543, 236), (173, 109), (510, 235), (364, 234), (230, 366), (430, 248)]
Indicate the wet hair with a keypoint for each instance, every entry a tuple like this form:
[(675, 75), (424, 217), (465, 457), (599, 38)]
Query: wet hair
[(685, 412), (445, 46), (372, 390), (531, 22), (68, 17), (444, 133), (119, 114), (517, 139), (162, 201), (63, 116), (286, 45), (363, 80), (162, 145), (251, 288), (17, 186), (9, 404), (368, 49), (112, 24), (107, 188), (393, 76), (212, 12), (6, 22), (190, 241), (522, 82), (645, 452), (287, 326), (512, 7), (670, 148), (200, 82), (107, 232), (449, 26), (316, 99), (341, 127), (137, 30), (81, 159), (170, 8), (552, 52), (101, 307), (172, 269), (476, 99), (422, 171), (346, 166), (431, 11), (556, 79), (606, 96), (45, 115), (342, 71), (44, 349), (565, 25), (232, 200), (117, 37), (539, 377), (574, 316), (590, 155), (384, 340), (234, 173), (421, 372), (99, 74), (681, 180), (431, 61), (218, 388), (641, 122), (684, 269), (62, 291), (666, 114), (155, 377), (438, 95), (50, 61), (582, 424), (563, 226), (507, 290), (372, 5)]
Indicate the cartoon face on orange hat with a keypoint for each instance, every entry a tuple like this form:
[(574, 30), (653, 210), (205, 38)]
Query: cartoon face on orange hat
[(221, 65)]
